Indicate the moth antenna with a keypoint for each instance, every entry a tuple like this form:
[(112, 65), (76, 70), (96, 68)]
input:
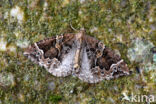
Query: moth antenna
[(73, 27)]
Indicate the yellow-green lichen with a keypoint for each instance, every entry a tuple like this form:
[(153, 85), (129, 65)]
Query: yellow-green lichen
[(115, 22)]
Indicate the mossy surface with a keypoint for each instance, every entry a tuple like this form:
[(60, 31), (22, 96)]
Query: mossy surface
[(115, 22)]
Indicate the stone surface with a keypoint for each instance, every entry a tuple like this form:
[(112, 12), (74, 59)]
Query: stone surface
[(110, 21), (7, 79), (140, 51)]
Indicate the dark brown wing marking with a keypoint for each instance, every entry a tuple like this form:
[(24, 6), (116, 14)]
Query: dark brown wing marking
[(53, 53), (60, 56), (103, 61)]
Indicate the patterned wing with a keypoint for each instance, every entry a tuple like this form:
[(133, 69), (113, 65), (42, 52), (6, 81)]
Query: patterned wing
[(56, 54), (99, 62)]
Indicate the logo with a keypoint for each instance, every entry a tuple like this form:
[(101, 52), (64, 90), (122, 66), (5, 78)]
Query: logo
[(138, 98)]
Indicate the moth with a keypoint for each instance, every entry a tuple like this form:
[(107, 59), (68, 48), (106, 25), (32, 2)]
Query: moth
[(79, 55)]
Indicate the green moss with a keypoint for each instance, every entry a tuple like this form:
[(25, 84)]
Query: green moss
[(115, 22), (55, 98)]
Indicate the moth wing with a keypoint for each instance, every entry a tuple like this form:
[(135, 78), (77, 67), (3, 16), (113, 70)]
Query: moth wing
[(99, 62), (56, 54)]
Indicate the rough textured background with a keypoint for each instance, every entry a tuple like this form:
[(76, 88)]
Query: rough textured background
[(127, 26)]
